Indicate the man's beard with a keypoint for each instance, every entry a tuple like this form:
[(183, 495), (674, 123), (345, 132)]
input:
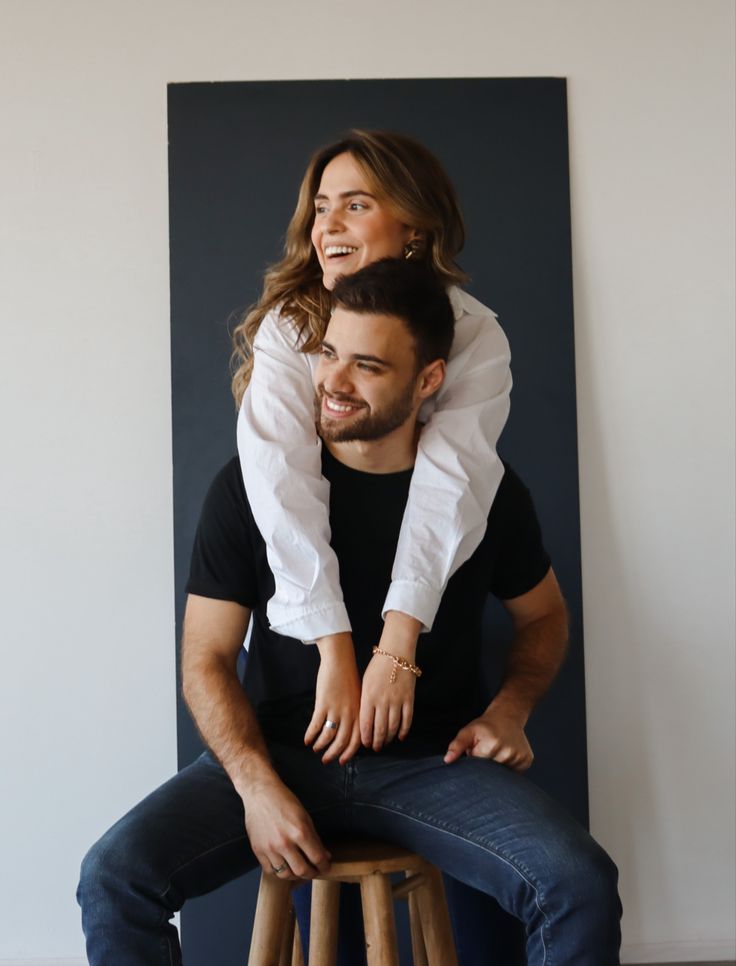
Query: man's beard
[(366, 425)]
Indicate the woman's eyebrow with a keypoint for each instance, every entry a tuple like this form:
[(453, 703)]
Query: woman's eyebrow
[(345, 194)]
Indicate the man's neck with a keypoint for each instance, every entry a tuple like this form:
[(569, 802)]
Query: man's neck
[(392, 453)]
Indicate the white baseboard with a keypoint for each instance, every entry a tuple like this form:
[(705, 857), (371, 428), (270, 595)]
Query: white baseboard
[(687, 952)]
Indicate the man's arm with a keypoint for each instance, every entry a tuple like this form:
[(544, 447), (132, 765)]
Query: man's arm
[(536, 653), (278, 827)]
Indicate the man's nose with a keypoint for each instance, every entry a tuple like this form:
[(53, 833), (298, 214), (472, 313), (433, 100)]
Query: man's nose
[(338, 380)]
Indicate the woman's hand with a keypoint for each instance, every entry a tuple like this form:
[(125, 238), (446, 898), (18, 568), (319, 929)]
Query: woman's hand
[(337, 701), (386, 708)]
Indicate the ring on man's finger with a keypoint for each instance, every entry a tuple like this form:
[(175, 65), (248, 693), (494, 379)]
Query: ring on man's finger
[(332, 725), (277, 871)]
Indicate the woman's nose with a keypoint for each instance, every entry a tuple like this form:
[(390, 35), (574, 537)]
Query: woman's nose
[(332, 220)]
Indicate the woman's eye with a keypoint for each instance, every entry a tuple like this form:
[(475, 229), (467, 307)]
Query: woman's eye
[(320, 209), (325, 353), (357, 206)]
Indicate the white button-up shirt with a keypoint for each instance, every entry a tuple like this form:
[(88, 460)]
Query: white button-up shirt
[(455, 479)]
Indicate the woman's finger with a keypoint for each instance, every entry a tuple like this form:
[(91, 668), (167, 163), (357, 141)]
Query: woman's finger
[(327, 734), (353, 744), (407, 713), (380, 727), (339, 742), (394, 722), (315, 726), (367, 714)]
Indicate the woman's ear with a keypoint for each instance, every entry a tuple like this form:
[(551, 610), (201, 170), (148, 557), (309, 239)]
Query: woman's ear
[(416, 244), (431, 378)]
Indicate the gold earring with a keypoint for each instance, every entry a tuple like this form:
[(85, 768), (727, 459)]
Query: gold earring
[(412, 249)]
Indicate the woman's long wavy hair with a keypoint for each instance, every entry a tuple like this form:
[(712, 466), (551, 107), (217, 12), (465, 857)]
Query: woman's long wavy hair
[(409, 180)]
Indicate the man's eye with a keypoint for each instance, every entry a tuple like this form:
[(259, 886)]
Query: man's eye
[(366, 367), (326, 354)]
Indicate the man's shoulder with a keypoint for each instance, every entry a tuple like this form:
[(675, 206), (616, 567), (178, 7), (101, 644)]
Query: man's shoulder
[(226, 493), (511, 490)]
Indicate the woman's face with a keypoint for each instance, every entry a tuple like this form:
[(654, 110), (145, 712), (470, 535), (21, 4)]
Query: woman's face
[(352, 228)]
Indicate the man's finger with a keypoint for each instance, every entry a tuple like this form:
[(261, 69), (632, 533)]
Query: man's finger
[(458, 746), (315, 851)]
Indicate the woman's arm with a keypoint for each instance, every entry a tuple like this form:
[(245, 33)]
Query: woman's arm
[(455, 479), (280, 455), (457, 471)]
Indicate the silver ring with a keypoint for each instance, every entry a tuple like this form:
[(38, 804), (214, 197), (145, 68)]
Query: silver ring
[(284, 865), (331, 724)]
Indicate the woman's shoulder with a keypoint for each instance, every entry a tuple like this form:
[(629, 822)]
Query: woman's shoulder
[(278, 328), (463, 303)]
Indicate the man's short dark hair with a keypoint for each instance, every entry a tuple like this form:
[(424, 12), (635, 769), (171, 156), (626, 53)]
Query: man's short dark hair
[(412, 292)]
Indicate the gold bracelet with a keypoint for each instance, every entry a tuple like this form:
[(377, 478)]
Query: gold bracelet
[(399, 662)]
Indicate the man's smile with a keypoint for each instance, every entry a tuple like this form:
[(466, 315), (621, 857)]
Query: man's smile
[(339, 408)]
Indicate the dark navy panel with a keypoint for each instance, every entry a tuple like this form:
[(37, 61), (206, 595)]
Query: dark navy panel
[(237, 152)]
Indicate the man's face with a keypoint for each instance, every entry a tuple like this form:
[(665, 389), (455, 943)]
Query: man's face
[(366, 380)]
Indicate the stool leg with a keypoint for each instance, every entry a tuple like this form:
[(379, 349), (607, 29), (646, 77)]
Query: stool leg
[(323, 922), (272, 917), (297, 954), (418, 952), (287, 940), (436, 928), (378, 919)]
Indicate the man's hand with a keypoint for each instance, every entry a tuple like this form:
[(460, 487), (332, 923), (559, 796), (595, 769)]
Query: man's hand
[(498, 735), (280, 831), (337, 700)]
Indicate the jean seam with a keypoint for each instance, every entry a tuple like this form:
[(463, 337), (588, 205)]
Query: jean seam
[(514, 864)]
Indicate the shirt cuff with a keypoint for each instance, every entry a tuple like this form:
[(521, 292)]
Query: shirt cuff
[(415, 599), (311, 625)]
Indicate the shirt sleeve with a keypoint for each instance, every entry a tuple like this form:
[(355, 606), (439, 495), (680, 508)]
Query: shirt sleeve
[(280, 455), (457, 471), (522, 561), (222, 564)]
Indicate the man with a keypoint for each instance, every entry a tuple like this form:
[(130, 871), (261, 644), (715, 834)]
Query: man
[(450, 788)]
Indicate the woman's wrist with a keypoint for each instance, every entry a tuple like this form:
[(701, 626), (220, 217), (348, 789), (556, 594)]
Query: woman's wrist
[(334, 647), (400, 635)]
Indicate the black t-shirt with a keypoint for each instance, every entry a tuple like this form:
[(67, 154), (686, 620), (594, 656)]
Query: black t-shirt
[(366, 510)]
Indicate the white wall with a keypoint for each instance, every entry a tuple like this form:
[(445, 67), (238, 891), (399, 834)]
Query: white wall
[(86, 688)]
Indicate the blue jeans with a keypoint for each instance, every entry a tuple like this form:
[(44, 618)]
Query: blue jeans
[(476, 820)]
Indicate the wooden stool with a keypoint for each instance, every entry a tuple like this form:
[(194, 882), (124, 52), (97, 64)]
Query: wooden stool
[(368, 862)]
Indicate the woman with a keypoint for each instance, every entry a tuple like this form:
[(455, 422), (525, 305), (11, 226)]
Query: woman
[(372, 195)]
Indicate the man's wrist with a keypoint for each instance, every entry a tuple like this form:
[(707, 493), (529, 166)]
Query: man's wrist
[(510, 705), (253, 775)]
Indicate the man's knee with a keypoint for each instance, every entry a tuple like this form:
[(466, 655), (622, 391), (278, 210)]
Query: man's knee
[(105, 869), (589, 877)]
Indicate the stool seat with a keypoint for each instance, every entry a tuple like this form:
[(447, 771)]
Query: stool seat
[(368, 862)]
